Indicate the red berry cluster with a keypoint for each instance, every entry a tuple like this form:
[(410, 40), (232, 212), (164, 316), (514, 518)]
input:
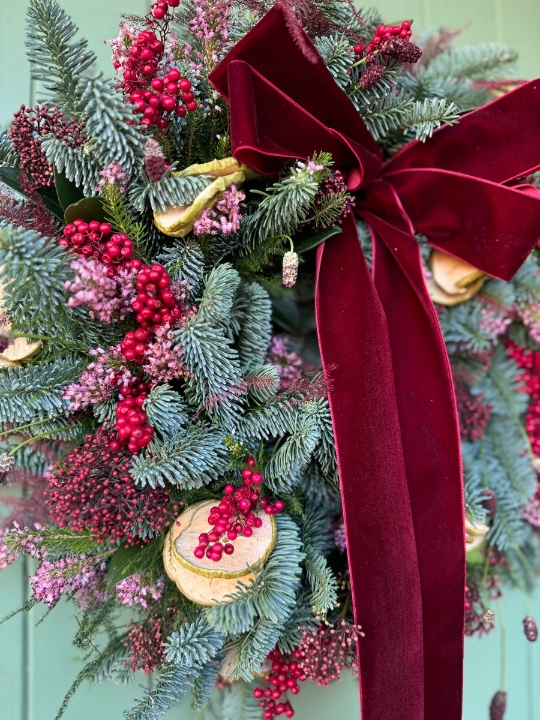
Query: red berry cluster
[(131, 419), (383, 32), (235, 515), (96, 240), (161, 8), (473, 414), (285, 675), (529, 362), (155, 97), (93, 490), (155, 304)]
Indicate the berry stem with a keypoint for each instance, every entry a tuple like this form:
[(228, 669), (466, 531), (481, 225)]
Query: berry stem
[(38, 437), (502, 627), (60, 341)]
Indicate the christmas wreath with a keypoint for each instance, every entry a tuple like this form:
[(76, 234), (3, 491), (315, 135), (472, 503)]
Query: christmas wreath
[(267, 296)]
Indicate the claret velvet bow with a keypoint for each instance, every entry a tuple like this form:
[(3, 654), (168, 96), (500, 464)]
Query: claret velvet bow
[(392, 398)]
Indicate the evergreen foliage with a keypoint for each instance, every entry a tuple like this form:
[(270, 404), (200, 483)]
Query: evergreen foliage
[(169, 191), (78, 165), (55, 58)]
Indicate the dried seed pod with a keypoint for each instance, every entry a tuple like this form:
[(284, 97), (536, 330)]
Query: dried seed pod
[(489, 616), (290, 268), (530, 628), (490, 503), (498, 706)]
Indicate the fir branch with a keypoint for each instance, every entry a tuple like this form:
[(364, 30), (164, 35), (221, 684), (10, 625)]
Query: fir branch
[(88, 671), (189, 460), (110, 123), (479, 62), (169, 191), (285, 204), (166, 411), (217, 298), (193, 643), (78, 164), (35, 392), (302, 619), (424, 117), (254, 646), (215, 384), (204, 683), (262, 383), (335, 50), (121, 217), (256, 327), (184, 261), (271, 594), (7, 155), (94, 621), (114, 663), (55, 60)]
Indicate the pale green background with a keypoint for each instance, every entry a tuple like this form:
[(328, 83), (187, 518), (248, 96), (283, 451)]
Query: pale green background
[(38, 664)]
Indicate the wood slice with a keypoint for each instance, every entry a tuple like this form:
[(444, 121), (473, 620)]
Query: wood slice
[(19, 350), (202, 580), (453, 276)]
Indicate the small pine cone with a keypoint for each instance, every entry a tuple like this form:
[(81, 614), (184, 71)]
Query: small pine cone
[(531, 630), (371, 76), (489, 616), (290, 268), (154, 160), (490, 503), (498, 706)]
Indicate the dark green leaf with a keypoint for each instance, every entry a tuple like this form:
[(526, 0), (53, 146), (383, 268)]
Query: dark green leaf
[(68, 193), (285, 314), (121, 565), (87, 209), (308, 243), (10, 176)]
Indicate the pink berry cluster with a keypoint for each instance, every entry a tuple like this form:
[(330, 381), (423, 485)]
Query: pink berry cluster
[(29, 126), (131, 420), (383, 32), (285, 675), (235, 515), (96, 240), (155, 97)]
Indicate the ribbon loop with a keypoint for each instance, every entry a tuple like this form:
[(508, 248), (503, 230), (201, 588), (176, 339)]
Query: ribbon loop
[(393, 407)]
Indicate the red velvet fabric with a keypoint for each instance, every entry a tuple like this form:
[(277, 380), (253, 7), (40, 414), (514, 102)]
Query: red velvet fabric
[(392, 399)]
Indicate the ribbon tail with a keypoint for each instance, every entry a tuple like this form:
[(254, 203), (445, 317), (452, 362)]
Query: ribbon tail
[(385, 583), (430, 439)]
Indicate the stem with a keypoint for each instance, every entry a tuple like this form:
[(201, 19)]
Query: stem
[(43, 435), (60, 341), (287, 237), (24, 427), (503, 645)]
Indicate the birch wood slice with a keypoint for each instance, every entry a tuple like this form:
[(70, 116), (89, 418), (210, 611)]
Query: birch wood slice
[(453, 276), (475, 534), (202, 580)]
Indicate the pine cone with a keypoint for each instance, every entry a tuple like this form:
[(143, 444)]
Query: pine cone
[(498, 706), (531, 630)]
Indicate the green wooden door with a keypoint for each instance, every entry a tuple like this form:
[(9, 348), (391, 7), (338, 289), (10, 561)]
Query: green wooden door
[(37, 662)]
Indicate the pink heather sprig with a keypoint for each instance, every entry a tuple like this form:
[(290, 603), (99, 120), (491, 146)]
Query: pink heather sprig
[(288, 364), (61, 577), (132, 591), (100, 381), (120, 45), (211, 25), (340, 537), (163, 360), (108, 298), (94, 593), (493, 323), (113, 175), (224, 217), (531, 511), (530, 316), (18, 541)]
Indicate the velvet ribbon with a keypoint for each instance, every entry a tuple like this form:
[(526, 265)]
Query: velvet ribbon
[(391, 392)]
